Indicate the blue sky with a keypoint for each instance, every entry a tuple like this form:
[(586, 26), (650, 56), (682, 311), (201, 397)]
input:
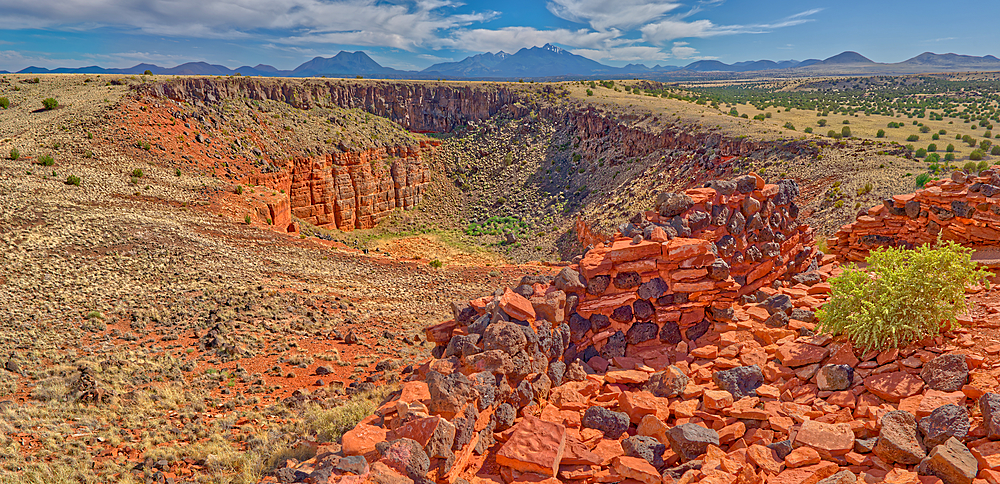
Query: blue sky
[(408, 34)]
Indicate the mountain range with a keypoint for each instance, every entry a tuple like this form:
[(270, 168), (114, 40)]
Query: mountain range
[(552, 62)]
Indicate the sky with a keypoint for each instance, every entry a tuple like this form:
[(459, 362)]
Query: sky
[(414, 34)]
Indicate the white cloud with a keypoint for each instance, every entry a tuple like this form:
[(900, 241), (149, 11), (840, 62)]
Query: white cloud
[(670, 29), (603, 15), (512, 39), (631, 53), (407, 24), (681, 50)]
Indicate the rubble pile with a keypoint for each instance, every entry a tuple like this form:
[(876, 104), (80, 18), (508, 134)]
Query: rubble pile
[(681, 351), (964, 208)]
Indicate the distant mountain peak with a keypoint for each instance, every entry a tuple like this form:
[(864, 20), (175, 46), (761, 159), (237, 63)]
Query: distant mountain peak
[(553, 48), (848, 57)]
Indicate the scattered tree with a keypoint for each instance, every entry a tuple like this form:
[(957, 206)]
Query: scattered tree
[(880, 133)]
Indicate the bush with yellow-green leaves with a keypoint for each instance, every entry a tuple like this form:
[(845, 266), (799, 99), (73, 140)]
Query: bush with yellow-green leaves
[(902, 296)]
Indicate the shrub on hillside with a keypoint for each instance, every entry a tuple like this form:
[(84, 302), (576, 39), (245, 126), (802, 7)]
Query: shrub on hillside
[(4, 102), (50, 103), (902, 296), (14, 154), (922, 179)]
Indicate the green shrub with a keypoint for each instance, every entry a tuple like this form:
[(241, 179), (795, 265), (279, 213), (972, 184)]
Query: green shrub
[(808, 130), (922, 179), (436, 263), (846, 132), (932, 147), (981, 166), (880, 133), (949, 157), (912, 137), (177, 172), (247, 219), (920, 153), (950, 148), (976, 155), (239, 189), (50, 103), (970, 167), (46, 160), (14, 154), (590, 93), (73, 180), (902, 296), (995, 150), (790, 126), (137, 173), (4, 102)]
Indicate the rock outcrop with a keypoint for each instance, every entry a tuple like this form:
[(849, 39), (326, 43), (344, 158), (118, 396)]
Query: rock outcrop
[(352, 190)]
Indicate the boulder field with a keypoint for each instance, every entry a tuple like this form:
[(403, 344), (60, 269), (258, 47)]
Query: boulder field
[(681, 350)]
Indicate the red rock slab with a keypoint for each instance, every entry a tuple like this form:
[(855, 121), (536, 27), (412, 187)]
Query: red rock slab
[(894, 386), (635, 468), (639, 404), (534, 446), (414, 391), (605, 304), (567, 397), (651, 426), (765, 458), (935, 398), (681, 248), (516, 306), (608, 449), (827, 439), (806, 475), (625, 251), (800, 354), (716, 400), (802, 456), (980, 383), (627, 377), (577, 453), (420, 430), (362, 439), (987, 454)]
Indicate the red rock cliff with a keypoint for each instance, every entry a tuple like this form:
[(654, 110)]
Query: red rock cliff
[(353, 190)]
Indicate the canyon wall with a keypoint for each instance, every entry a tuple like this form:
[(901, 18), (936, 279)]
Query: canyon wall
[(964, 208), (703, 154), (415, 105), (352, 190)]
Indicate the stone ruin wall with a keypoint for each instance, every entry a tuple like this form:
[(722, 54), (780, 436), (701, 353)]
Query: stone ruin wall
[(964, 208)]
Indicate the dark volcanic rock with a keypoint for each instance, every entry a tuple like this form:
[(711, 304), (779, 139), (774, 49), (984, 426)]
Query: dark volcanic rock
[(741, 381), (947, 373), (690, 441), (612, 424)]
